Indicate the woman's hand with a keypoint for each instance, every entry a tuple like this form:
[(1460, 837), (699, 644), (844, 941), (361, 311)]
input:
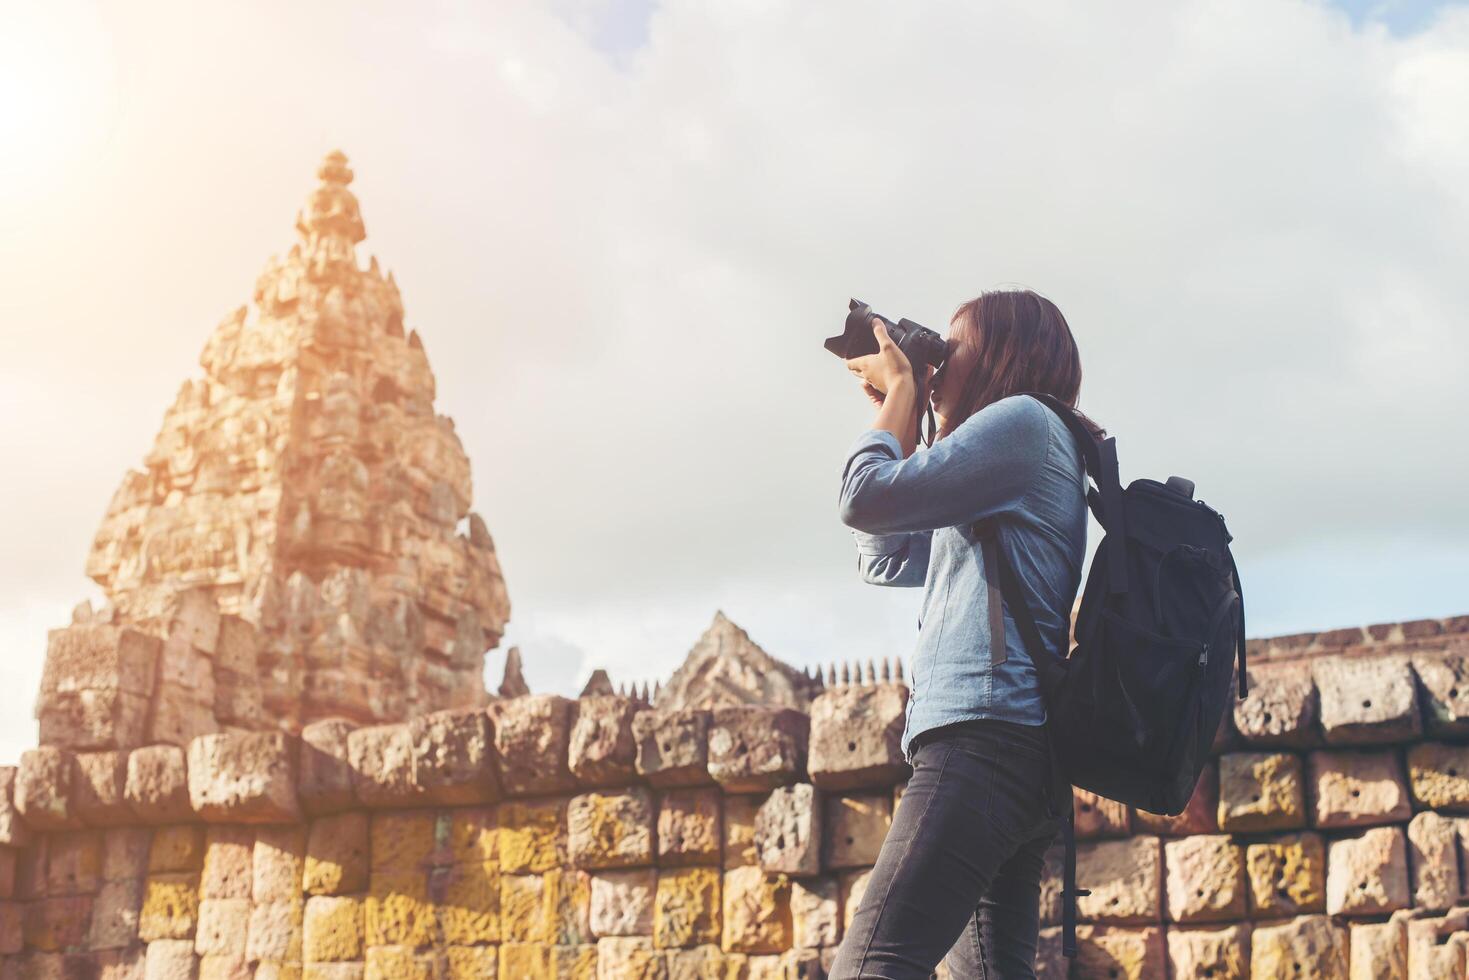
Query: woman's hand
[(880, 373)]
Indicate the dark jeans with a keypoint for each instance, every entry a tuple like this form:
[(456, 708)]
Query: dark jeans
[(960, 870)]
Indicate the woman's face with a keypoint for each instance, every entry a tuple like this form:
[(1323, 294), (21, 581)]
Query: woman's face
[(956, 369)]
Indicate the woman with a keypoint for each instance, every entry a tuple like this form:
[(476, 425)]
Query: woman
[(959, 872)]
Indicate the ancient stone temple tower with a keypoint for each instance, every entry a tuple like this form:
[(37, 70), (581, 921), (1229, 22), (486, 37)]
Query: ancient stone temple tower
[(305, 485)]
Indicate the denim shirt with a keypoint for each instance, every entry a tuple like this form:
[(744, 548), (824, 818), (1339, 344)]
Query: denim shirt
[(1013, 460)]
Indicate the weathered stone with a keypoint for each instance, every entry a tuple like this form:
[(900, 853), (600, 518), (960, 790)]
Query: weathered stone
[(1125, 878), (1259, 791), (630, 958), (856, 737), (725, 668), (57, 923), (853, 885), (332, 930), (276, 931), (276, 866), (114, 922), (99, 657), (228, 852), (611, 830), (1306, 948), (532, 835), (381, 758), (1368, 874), (1200, 816), (752, 749), (180, 847), (1437, 946), (122, 964), (454, 758), (1282, 706), (157, 788), (43, 789), (244, 777), (757, 911), (1287, 875), (397, 961), (1439, 776), (788, 830), (177, 718), (125, 852), (707, 963), (1206, 879), (816, 919), (13, 830), (73, 862), (532, 735), (170, 907), (324, 782), (525, 914), (854, 829), (1358, 789), (403, 840), (568, 906), (1379, 950), (171, 959), (1443, 684), (740, 814), (603, 750), (223, 926), (467, 899), (686, 907), (397, 910), (476, 962), (1095, 816), (672, 746), (92, 720), (688, 827), (337, 855), (1116, 953), (1433, 857), (622, 902), (226, 966), (474, 835), (1367, 699), (100, 787)]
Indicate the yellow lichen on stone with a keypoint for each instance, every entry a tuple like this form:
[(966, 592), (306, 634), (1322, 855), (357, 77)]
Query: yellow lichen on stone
[(686, 907), (526, 961), (523, 913), (577, 962), (757, 911), (532, 836), (708, 963), (631, 958), (474, 835), (177, 848), (170, 907), (568, 897), (333, 929), (470, 963), (398, 911), (402, 840), (469, 904), (336, 855), (397, 963), (1287, 875)]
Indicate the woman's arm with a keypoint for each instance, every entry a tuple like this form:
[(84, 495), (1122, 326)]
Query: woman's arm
[(893, 559)]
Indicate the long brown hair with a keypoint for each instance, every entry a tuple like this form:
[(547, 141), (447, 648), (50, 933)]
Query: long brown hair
[(1021, 343)]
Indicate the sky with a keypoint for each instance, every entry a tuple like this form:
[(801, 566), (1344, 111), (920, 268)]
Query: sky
[(622, 230)]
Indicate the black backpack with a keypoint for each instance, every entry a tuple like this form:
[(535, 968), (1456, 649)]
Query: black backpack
[(1133, 711)]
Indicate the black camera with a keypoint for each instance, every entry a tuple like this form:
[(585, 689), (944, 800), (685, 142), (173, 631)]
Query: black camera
[(921, 345)]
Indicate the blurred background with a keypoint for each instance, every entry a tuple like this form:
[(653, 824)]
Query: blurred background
[(622, 229)]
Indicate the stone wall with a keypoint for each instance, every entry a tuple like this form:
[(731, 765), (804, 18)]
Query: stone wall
[(602, 837)]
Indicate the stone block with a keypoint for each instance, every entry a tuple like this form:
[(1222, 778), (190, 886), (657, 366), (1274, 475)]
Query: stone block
[(216, 966), (856, 737), (43, 789), (1287, 875), (238, 648), (788, 829), (93, 720), (275, 932), (1367, 700), (1096, 816), (244, 777), (524, 909), (157, 788), (630, 958), (1200, 816), (476, 962), (1437, 946), (179, 847), (13, 829), (228, 852), (99, 657), (7, 873), (816, 919), (125, 852), (611, 829), (1261, 791), (324, 782), (474, 835), (381, 758), (193, 620), (171, 959), (1443, 686), (568, 905), (532, 835), (853, 886), (710, 963), (223, 927), (756, 911), (54, 924), (532, 736), (467, 898), (177, 716), (454, 757), (672, 747), (114, 922), (603, 750), (1357, 789), (688, 827), (686, 907), (1433, 858), (397, 962), (170, 908), (1379, 950), (122, 964), (1125, 878), (1281, 710), (1439, 776), (332, 930), (73, 862), (98, 794), (1309, 947), (1205, 880), (397, 910), (277, 864), (1117, 953), (622, 902), (1368, 874), (740, 815), (12, 931), (753, 749), (854, 829), (337, 855), (403, 840)]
